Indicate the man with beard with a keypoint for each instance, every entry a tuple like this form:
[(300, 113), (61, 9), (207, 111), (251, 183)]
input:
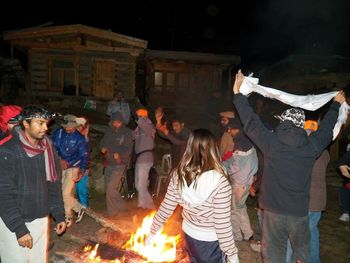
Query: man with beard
[(30, 189)]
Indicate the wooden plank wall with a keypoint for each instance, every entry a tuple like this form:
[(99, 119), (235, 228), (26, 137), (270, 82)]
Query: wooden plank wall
[(38, 70), (125, 70)]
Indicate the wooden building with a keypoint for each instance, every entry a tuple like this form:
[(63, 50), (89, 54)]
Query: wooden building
[(78, 60), (192, 86)]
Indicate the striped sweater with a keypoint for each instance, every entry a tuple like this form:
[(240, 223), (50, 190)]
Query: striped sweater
[(206, 210)]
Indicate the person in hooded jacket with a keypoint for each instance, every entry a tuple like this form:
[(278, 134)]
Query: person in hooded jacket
[(9, 117), (241, 166), (116, 146), (289, 155), (73, 150), (143, 135), (201, 186)]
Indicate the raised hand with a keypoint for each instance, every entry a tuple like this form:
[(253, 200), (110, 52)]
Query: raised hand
[(340, 97), (159, 114), (238, 82)]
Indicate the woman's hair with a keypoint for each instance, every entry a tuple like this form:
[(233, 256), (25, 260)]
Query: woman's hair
[(201, 155)]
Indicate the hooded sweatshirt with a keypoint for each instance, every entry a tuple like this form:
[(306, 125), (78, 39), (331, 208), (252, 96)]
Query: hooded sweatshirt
[(206, 209), (117, 141)]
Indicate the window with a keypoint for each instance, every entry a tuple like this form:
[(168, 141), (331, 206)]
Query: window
[(62, 76), (170, 81), (158, 80)]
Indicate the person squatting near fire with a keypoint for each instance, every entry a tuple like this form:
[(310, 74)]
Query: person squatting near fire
[(318, 198), (289, 155), (344, 168), (143, 135), (178, 136), (241, 166), (225, 142), (201, 186), (30, 190), (9, 117), (73, 151), (116, 146), (81, 187)]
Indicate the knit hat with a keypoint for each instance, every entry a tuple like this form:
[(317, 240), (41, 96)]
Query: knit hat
[(296, 116), (227, 114), (234, 123), (69, 121), (142, 112), (9, 114), (117, 116), (311, 125)]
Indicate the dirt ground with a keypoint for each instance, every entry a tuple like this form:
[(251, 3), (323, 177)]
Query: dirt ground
[(334, 234)]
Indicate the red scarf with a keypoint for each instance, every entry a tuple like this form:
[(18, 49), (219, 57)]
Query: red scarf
[(44, 146)]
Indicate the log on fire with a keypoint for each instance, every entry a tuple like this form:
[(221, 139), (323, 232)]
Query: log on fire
[(105, 222)]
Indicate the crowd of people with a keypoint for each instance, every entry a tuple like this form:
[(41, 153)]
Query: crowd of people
[(211, 178)]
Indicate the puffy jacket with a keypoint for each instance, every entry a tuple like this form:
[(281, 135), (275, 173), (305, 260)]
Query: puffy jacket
[(72, 148)]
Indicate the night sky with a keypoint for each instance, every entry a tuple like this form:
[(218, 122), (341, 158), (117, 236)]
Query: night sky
[(261, 32)]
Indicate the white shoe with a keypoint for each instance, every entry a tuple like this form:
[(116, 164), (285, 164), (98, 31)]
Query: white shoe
[(344, 217), (80, 215)]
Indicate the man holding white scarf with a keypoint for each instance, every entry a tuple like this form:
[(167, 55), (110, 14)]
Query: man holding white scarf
[(289, 155)]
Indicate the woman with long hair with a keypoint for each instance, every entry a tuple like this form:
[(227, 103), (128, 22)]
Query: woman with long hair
[(201, 186)]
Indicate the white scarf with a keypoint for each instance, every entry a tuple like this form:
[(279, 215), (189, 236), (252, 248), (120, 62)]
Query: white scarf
[(309, 102)]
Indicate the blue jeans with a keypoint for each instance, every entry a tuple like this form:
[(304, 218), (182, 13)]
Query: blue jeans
[(203, 251), (314, 218)]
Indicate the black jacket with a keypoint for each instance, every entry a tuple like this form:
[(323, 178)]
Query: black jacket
[(25, 195), (289, 155)]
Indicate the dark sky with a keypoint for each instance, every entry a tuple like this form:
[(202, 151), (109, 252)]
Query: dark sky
[(261, 31)]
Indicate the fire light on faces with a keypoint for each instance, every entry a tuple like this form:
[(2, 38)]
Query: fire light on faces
[(162, 247)]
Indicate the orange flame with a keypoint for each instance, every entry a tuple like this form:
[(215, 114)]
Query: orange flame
[(162, 247)]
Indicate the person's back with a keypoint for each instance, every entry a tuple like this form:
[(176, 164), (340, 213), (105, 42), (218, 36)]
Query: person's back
[(288, 161), (200, 185), (289, 156)]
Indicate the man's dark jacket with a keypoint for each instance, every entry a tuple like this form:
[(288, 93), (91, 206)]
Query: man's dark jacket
[(289, 155), (25, 194)]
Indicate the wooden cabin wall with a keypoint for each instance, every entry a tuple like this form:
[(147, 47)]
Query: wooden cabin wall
[(197, 104), (84, 68)]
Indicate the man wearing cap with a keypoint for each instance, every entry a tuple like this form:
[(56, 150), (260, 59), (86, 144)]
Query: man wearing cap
[(116, 146), (118, 104), (9, 117), (241, 165), (289, 155), (72, 148), (144, 144), (226, 142), (30, 190)]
